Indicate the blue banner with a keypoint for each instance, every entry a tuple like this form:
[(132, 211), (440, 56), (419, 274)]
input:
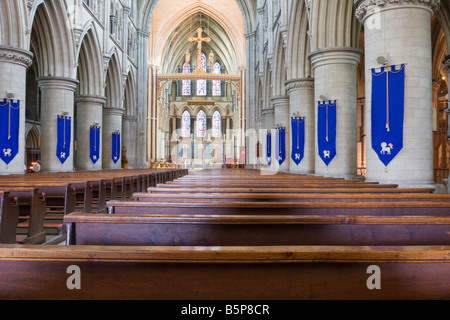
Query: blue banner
[(388, 109), (298, 139), (269, 147), (280, 145), (9, 129), (64, 131), (116, 146), (94, 143), (326, 130)]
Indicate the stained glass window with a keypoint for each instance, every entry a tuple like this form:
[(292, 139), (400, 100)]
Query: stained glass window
[(186, 125), (217, 84), (201, 124), (217, 124), (201, 84), (187, 83)]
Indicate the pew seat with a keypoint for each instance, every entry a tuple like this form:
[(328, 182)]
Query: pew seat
[(225, 273)]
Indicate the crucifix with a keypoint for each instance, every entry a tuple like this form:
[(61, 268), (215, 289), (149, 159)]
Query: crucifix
[(199, 41)]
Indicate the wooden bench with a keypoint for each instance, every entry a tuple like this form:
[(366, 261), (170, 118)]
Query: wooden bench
[(322, 189), (9, 218), (32, 206), (67, 192), (398, 208), (225, 273), (286, 197), (251, 230)]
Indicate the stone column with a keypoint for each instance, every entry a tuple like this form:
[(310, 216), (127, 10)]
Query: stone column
[(335, 78), (57, 97), (401, 32), (13, 69), (301, 93), (112, 122), (282, 118), (446, 67), (89, 111), (268, 123), (143, 94), (129, 125)]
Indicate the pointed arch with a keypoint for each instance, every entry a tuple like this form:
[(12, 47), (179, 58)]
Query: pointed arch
[(201, 124), (90, 63), (186, 124), (51, 39), (298, 44), (334, 24), (130, 94), (13, 22), (216, 124), (280, 76), (113, 88)]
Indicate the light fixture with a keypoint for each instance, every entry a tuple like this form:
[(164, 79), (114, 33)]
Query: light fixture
[(383, 59)]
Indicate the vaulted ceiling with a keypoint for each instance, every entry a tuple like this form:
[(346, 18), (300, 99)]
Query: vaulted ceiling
[(173, 22)]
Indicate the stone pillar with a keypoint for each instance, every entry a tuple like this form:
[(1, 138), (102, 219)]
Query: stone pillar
[(446, 67), (13, 69), (129, 127), (89, 111), (112, 122), (335, 78), (401, 31), (57, 97), (301, 102), (268, 123), (282, 119)]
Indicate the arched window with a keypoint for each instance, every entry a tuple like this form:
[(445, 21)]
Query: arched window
[(201, 124), (217, 84), (186, 83), (217, 125), (201, 84), (186, 125)]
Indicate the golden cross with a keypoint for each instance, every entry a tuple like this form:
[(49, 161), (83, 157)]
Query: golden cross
[(199, 41)]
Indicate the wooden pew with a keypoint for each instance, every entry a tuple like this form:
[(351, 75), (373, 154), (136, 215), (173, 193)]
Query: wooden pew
[(88, 191), (279, 184), (251, 230), (9, 218), (32, 206), (224, 273), (398, 208), (287, 197), (322, 189)]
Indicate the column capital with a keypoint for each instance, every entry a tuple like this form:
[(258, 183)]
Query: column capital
[(129, 118), (297, 84), (367, 8), (280, 101), (85, 98), (16, 55), (113, 111), (58, 83), (347, 55)]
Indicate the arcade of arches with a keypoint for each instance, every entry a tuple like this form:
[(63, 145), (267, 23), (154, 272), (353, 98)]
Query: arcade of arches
[(165, 93)]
